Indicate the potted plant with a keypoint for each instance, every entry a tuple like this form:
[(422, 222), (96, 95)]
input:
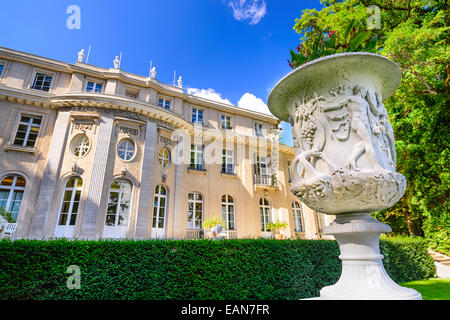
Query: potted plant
[(7, 215), (211, 225), (276, 228), (345, 150)]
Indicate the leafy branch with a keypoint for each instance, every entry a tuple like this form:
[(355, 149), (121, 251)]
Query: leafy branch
[(324, 42)]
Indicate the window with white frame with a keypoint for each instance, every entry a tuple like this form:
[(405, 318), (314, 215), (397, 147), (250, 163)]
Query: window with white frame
[(225, 122), (258, 129), (119, 203), (71, 202), (27, 131), (126, 150), (320, 221), (227, 161), (164, 103), (42, 82), (80, 145), (93, 86), (261, 168), (196, 157), (197, 115), (159, 207), (195, 211), (11, 194), (298, 217), (228, 214), (2, 66), (264, 213)]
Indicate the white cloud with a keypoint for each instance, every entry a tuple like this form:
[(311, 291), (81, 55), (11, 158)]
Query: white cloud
[(250, 10), (251, 102), (248, 101), (208, 94)]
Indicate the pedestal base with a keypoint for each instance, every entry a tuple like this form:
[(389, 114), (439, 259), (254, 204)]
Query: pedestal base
[(363, 275)]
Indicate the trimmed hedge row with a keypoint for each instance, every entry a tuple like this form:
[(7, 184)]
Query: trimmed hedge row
[(195, 269)]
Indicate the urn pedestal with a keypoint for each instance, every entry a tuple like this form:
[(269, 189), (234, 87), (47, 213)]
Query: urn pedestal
[(345, 160)]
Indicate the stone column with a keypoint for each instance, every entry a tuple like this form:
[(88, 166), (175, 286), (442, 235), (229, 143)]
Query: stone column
[(97, 179), (46, 198), (146, 186), (180, 155)]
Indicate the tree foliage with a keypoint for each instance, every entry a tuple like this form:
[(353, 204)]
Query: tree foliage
[(415, 34)]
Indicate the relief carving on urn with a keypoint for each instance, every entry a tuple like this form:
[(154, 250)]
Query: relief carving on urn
[(345, 150), (345, 160)]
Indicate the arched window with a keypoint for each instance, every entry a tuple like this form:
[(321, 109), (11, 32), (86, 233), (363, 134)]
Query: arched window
[(11, 194), (195, 211), (298, 217), (264, 212), (159, 207), (70, 202), (228, 212), (118, 203), (126, 150)]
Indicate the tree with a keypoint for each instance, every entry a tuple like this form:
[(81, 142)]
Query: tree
[(415, 34)]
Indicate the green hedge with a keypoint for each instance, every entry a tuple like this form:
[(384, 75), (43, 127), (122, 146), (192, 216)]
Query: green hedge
[(182, 269)]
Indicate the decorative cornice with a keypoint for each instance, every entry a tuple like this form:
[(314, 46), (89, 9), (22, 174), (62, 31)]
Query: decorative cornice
[(129, 78), (91, 102)]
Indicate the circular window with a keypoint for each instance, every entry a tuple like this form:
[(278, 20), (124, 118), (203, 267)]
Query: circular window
[(164, 157), (126, 150), (80, 145)]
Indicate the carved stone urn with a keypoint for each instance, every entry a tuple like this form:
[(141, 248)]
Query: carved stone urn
[(345, 160)]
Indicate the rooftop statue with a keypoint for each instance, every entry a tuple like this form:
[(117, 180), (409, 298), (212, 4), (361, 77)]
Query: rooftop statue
[(81, 55), (116, 63)]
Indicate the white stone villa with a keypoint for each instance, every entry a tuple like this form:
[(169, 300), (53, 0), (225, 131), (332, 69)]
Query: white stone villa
[(88, 152)]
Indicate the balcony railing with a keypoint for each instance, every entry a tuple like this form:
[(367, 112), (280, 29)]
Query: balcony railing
[(199, 234), (194, 234), (265, 180), (9, 230), (232, 234)]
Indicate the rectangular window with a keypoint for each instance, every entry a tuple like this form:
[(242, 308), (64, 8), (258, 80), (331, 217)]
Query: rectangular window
[(258, 129), (197, 116), (27, 131), (42, 82), (262, 165), (94, 86), (225, 122), (227, 161), (196, 157), (1, 69), (163, 103), (261, 168)]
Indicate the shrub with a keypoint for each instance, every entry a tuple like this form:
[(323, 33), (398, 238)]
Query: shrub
[(188, 269)]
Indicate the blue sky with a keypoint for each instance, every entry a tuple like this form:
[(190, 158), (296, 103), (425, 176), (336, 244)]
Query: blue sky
[(234, 50)]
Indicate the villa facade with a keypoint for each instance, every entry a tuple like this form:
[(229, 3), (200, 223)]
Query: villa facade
[(88, 152)]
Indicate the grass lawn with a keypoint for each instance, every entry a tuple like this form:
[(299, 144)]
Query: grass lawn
[(433, 289)]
